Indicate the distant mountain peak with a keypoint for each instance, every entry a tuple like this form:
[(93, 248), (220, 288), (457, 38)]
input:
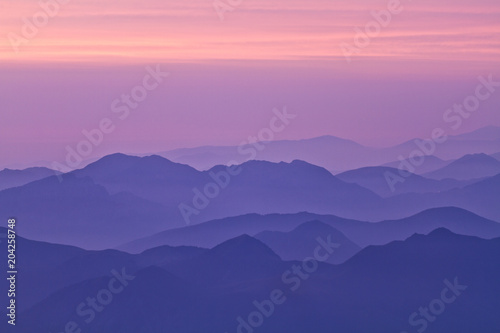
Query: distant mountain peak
[(370, 170), (476, 157), (329, 137), (121, 158), (441, 232), (111, 164), (438, 234), (112, 160), (469, 166), (17, 177), (444, 211), (295, 164), (484, 159), (244, 245)]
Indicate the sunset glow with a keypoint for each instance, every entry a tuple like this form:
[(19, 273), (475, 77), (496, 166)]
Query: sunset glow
[(95, 31)]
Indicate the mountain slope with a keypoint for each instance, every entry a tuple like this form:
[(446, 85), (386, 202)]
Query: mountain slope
[(258, 187), (431, 163), (79, 212), (380, 180), (13, 178), (122, 198), (264, 187), (455, 219), (337, 154), (301, 242), (393, 281), (362, 233), (317, 151), (480, 198), (468, 167), (152, 177), (48, 267), (211, 233)]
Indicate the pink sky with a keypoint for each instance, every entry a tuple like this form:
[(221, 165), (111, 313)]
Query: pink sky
[(226, 76), (159, 30)]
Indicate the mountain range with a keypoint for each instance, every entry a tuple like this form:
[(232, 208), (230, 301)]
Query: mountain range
[(220, 289), (361, 233), (299, 243), (338, 155), (13, 178), (468, 167), (120, 198), (380, 181)]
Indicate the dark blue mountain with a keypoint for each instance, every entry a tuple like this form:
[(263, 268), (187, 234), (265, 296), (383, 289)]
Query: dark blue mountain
[(79, 212), (120, 198), (301, 242), (480, 198), (46, 268), (152, 177), (393, 281), (362, 233)]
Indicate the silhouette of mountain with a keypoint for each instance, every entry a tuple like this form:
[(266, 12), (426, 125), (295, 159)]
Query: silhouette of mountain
[(238, 259), (35, 255), (317, 151), (496, 156), (430, 164), (152, 177), (210, 233), (79, 212), (140, 197), (301, 242), (455, 219), (213, 232), (164, 293), (379, 181), (13, 178), (338, 155), (479, 198), (483, 140), (48, 267), (394, 281), (468, 167), (165, 254), (242, 247), (264, 187)]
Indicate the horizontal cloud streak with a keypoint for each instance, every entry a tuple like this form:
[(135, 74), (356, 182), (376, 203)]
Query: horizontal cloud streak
[(175, 31)]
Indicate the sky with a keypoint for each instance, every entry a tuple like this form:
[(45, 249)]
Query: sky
[(228, 69)]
